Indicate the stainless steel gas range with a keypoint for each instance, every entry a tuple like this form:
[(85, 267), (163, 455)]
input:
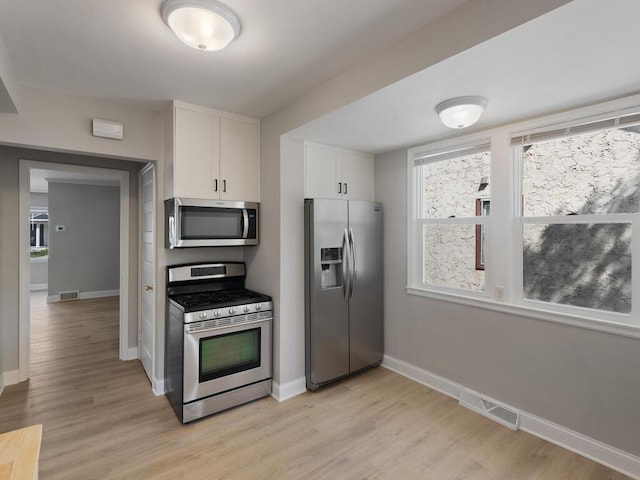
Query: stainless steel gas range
[(218, 339)]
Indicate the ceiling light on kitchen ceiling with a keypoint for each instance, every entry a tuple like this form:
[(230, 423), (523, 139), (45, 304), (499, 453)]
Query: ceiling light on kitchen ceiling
[(205, 25), (461, 112)]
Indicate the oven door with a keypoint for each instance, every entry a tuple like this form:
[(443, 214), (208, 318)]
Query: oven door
[(219, 359)]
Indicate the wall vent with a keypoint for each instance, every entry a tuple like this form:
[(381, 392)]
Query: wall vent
[(72, 295), (507, 416)]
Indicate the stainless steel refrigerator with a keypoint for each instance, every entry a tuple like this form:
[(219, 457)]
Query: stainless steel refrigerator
[(343, 288)]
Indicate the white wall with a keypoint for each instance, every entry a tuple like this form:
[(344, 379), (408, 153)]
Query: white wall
[(59, 122), (9, 86), (85, 256), (580, 379), (462, 28)]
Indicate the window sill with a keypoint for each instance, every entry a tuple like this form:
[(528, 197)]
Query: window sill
[(605, 326)]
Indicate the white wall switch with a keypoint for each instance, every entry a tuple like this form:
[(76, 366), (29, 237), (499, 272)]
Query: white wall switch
[(60, 228)]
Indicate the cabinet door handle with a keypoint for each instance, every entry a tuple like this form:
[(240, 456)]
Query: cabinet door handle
[(345, 188), (215, 185), (339, 187), (224, 186)]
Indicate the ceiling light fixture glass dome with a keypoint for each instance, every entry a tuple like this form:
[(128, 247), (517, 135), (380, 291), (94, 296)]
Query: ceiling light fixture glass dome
[(205, 25), (461, 112)]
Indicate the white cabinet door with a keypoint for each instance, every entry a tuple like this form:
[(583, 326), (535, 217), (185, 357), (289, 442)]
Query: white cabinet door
[(239, 160), (196, 162), (147, 269), (357, 176), (321, 172)]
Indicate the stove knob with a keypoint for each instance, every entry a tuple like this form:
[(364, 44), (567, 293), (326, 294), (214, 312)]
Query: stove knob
[(245, 309), (202, 316), (232, 311), (216, 313), (258, 307)]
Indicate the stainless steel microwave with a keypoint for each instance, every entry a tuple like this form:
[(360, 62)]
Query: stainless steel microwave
[(210, 223)]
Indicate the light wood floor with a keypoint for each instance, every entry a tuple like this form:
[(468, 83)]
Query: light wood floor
[(101, 421)]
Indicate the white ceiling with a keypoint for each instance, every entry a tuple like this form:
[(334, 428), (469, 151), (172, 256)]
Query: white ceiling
[(582, 52), (122, 48)]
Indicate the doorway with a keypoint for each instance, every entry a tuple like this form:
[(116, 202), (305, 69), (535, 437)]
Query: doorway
[(80, 174)]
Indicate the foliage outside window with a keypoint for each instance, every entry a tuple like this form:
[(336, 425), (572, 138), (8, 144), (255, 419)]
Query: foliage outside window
[(448, 184)]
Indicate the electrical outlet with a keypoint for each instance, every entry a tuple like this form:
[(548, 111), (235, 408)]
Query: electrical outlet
[(60, 228), (499, 294)]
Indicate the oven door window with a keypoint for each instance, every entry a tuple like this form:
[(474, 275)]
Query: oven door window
[(201, 223), (230, 353)]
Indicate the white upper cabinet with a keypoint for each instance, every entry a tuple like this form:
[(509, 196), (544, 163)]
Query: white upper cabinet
[(239, 160), (335, 173), (214, 155)]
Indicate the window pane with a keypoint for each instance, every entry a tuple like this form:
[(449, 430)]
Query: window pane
[(592, 173), (450, 187), (450, 257), (585, 265)]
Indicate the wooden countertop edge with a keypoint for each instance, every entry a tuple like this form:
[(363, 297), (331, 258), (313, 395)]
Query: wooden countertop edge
[(19, 453)]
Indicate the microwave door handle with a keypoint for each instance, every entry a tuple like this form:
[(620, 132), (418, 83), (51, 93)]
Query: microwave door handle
[(172, 231), (245, 219)]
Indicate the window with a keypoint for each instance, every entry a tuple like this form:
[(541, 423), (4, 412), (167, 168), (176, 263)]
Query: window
[(39, 229), (543, 223), (447, 227), (580, 196), (482, 210)]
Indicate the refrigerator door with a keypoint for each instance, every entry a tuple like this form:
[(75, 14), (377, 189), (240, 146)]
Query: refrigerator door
[(366, 306), (326, 287)]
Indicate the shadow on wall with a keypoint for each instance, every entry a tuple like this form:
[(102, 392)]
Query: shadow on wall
[(584, 265)]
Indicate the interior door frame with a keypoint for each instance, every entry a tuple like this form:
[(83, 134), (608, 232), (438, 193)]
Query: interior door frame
[(24, 322)]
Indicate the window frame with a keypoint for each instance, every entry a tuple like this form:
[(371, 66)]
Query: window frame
[(480, 241), (417, 221), (521, 220), (504, 252)]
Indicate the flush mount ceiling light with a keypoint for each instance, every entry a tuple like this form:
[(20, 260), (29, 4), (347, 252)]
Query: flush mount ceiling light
[(461, 112), (205, 25)]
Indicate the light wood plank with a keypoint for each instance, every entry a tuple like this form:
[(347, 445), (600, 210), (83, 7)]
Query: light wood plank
[(101, 421), (19, 452)]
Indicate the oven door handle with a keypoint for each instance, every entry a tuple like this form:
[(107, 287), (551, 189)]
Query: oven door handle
[(221, 327)]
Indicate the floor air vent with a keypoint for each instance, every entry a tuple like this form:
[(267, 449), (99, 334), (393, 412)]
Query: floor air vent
[(73, 295), (507, 416)]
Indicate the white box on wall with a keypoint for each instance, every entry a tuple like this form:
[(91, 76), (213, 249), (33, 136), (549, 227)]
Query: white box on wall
[(107, 129)]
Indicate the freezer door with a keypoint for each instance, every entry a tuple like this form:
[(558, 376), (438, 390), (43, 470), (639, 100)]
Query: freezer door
[(326, 315), (366, 307)]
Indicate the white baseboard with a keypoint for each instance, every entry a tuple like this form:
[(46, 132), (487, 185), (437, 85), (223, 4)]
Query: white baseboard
[(595, 450), (85, 295), (38, 287), (289, 389), (158, 387), (11, 377), (132, 353), (431, 380), (588, 447)]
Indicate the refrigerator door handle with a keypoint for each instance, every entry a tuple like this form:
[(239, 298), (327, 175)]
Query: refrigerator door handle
[(346, 259), (353, 266)]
